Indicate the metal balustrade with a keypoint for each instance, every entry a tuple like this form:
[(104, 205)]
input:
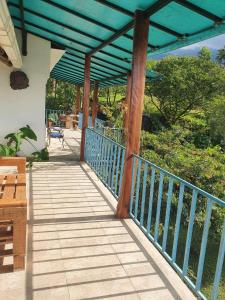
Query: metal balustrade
[(97, 121), (116, 134), (106, 158), (175, 215), (167, 208)]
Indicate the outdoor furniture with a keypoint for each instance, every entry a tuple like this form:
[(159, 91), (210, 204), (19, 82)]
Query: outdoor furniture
[(55, 133), (13, 212), (62, 120), (68, 121)]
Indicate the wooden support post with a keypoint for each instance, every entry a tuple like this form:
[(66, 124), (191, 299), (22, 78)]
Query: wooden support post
[(85, 104), (127, 106), (95, 103), (77, 104), (140, 43)]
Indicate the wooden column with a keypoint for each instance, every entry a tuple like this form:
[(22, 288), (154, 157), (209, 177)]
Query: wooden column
[(127, 106), (77, 104), (140, 43), (95, 103), (85, 103)]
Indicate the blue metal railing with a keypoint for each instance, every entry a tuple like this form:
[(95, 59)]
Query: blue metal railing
[(98, 122), (167, 209), (116, 134), (106, 158), (160, 204)]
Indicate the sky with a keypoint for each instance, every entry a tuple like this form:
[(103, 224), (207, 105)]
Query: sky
[(217, 42)]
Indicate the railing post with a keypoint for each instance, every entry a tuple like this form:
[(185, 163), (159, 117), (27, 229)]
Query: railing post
[(85, 104), (127, 106), (140, 43), (95, 103)]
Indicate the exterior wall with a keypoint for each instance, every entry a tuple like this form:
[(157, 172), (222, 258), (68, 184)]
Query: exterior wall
[(26, 107)]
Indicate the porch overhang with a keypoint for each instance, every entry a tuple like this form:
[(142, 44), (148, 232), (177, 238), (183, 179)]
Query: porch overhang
[(104, 30), (8, 41)]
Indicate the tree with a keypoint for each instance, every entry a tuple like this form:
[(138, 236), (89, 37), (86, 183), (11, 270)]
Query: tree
[(186, 83), (59, 95), (221, 56), (216, 119)]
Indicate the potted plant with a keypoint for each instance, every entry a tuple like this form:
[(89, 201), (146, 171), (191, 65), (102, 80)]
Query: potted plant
[(52, 118)]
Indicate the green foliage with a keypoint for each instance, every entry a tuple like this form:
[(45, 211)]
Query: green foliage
[(221, 56), (60, 95), (216, 120), (172, 150), (187, 83), (14, 141)]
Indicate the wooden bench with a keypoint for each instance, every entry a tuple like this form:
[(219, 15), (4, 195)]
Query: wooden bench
[(13, 212)]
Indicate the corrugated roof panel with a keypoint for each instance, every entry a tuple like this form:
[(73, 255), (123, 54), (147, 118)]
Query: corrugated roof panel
[(81, 26)]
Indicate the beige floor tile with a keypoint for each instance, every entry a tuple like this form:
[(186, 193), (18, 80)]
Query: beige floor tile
[(81, 233), (158, 294), (139, 269), (126, 247), (47, 267), (132, 257), (90, 262), (45, 245), (143, 282), (49, 281), (45, 236), (51, 294), (46, 255), (100, 289), (95, 275), (87, 251)]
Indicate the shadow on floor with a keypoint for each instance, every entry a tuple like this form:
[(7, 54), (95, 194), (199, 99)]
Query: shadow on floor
[(77, 249)]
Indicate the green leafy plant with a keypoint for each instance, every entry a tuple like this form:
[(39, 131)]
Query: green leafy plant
[(14, 143), (53, 117), (15, 139)]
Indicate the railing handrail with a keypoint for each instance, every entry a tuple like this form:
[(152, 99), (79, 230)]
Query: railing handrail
[(107, 138), (204, 193)]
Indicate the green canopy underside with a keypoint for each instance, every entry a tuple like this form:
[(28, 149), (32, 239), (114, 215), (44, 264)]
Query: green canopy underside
[(81, 27)]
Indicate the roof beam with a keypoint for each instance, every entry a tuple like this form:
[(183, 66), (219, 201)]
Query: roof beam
[(131, 14), (95, 71), (149, 11), (69, 80), (67, 26), (95, 63), (98, 58), (199, 10), (66, 75), (72, 68), (66, 38), (69, 59), (23, 31), (114, 77), (113, 37)]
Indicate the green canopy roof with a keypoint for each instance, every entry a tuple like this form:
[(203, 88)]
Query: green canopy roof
[(105, 30)]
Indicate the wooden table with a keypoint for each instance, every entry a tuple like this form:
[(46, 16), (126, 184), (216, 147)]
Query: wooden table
[(13, 217)]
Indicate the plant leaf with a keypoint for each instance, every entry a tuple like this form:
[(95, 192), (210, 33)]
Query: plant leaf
[(27, 132)]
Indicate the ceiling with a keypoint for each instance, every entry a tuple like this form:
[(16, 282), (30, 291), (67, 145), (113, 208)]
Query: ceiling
[(104, 29)]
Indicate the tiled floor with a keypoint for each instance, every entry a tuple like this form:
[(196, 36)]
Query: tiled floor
[(77, 249)]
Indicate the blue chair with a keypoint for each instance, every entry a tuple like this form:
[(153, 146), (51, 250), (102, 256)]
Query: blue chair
[(56, 133)]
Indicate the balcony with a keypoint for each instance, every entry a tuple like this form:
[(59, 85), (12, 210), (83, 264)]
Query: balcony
[(77, 249)]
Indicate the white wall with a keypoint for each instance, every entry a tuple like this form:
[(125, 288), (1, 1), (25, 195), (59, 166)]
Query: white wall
[(21, 107)]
